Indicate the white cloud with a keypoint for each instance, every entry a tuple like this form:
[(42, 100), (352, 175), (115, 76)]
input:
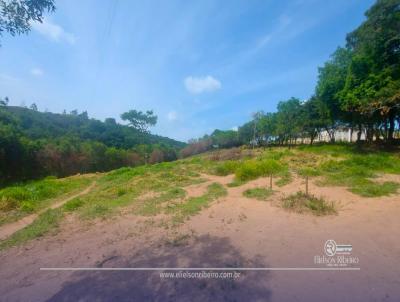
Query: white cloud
[(172, 116), (198, 85), (53, 32), (236, 128), (37, 72)]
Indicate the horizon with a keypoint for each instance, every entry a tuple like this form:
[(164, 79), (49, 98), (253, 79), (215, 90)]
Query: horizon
[(105, 63)]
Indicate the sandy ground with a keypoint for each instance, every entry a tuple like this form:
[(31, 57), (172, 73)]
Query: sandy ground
[(233, 232)]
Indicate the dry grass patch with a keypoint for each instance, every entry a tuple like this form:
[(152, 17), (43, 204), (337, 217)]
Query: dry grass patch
[(301, 202)]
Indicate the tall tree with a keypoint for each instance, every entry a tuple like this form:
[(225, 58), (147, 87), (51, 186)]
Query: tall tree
[(139, 120)]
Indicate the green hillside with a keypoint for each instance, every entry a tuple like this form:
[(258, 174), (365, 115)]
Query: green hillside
[(36, 144)]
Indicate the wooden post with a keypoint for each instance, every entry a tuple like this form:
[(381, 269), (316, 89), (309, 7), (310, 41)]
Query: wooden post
[(307, 185), (270, 181)]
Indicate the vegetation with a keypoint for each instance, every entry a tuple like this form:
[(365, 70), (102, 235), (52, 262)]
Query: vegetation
[(150, 190), (35, 144), (16, 17), (20, 200), (301, 202), (46, 223), (195, 204), (358, 90), (258, 193)]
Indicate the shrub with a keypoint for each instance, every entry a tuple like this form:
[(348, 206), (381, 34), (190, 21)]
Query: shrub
[(301, 202)]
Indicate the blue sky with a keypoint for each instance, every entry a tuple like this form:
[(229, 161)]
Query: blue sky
[(200, 65)]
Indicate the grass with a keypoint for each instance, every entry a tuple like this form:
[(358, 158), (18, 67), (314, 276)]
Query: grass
[(153, 206), (21, 200), (126, 186), (356, 172), (73, 205), (301, 202), (371, 189), (46, 223), (252, 169), (258, 193), (335, 165), (285, 178), (227, 167), (195, 204)]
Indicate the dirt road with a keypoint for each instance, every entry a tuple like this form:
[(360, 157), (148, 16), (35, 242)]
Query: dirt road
[(233, 232)]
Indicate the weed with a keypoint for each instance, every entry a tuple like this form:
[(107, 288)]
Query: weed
[(258, 193)]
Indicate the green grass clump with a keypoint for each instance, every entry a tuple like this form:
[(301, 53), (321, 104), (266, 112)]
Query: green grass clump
[(252, 169), (356, 172), (258, 193), (47, 222), (226, 167), (73, 205), (371, 189), (194, 204), (301, 202), (235, 183), (20, 200)]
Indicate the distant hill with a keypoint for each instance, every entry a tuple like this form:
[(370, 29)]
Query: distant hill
[(35, 144), (47, 125)]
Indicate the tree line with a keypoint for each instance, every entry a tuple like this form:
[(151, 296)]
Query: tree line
[(35, 144), (358, 88)]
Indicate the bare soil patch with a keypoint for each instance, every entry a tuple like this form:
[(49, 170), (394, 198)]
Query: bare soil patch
[(235, 231)]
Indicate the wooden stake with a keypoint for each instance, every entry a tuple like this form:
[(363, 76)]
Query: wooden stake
[(270, 181), (306, 185)]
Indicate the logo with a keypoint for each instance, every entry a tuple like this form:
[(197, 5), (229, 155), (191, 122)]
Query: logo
[(331, 248), (336, 255)]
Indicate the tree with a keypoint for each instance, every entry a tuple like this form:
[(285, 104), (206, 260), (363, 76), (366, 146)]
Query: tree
[(373, 80), (5, 101), (331, 81), (16, 16), (139, 120), (34, 107), (288, 120)]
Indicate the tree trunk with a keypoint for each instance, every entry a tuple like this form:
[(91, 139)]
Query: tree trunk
[(391, 126), (359, 133)]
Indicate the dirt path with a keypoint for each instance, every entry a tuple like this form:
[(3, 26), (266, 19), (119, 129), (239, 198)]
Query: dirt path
[(10, 228), (235, 231)]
